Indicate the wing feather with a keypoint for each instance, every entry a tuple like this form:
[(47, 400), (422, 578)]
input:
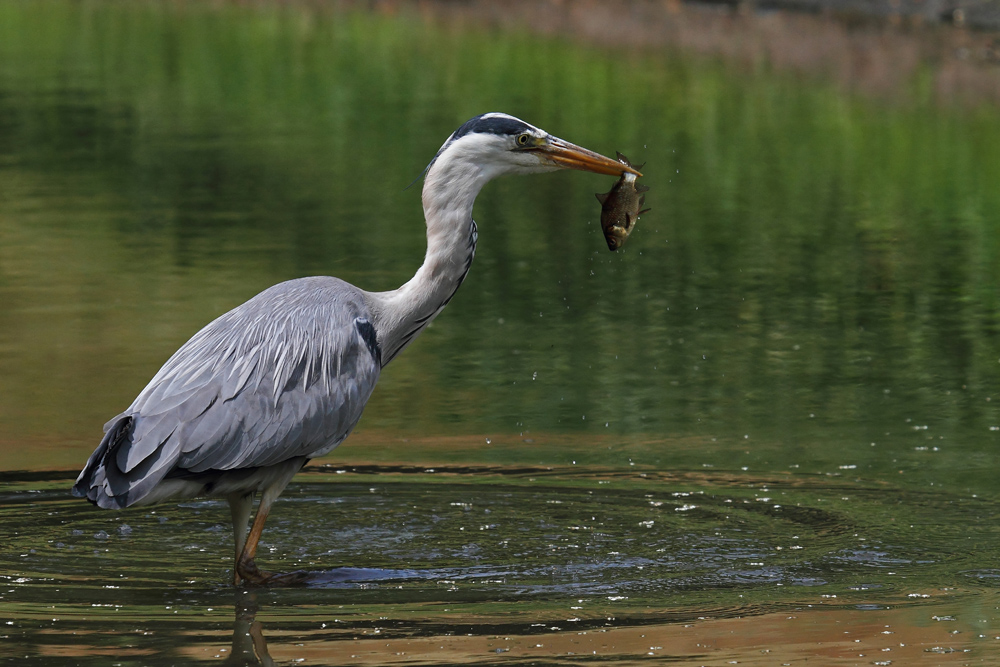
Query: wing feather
[(284, 375)]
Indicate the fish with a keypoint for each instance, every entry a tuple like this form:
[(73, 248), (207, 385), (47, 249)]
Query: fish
[(620, 207)]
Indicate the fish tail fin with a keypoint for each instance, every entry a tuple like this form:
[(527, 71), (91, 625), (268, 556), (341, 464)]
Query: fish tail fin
[(623, 159)]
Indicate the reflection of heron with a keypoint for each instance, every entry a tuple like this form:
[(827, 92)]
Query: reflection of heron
[(284, 377), (249, 647)]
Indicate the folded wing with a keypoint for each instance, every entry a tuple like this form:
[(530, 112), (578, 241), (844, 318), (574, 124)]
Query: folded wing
[(285, 375)]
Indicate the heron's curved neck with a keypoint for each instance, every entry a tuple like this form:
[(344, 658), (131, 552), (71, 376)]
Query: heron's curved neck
[(450, 189)]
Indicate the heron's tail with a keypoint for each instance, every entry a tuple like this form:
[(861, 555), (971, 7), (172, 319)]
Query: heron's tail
[(101, 479)]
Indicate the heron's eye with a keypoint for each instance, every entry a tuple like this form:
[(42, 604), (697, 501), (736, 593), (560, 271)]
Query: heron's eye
[(522, 139)]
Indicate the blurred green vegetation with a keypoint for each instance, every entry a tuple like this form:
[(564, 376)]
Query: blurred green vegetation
[(818, 271)]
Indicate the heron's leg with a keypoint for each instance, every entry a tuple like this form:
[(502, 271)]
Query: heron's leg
[(240, 505), (245, 565)]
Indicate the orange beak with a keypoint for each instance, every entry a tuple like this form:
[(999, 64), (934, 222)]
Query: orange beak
[(571, 156)]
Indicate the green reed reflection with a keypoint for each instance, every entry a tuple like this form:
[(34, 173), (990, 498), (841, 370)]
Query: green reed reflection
[(818, 271)]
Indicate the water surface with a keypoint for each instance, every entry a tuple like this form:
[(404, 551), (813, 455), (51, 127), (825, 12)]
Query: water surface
[(516, 557), (783, 390)]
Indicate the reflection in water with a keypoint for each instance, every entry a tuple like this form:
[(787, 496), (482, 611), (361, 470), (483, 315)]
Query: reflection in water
[(565, 553), (804, 329), (830, 636), (249, 646), (818, 271)]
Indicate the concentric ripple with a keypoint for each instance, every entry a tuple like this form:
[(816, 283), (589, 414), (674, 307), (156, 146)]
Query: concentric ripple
[(499, 548)]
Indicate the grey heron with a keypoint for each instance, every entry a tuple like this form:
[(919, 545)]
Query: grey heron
[(284, 377)]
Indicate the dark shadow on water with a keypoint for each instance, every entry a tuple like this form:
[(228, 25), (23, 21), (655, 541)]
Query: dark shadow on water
[(346, 577)]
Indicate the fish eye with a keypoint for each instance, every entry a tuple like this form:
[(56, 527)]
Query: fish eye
[(522, 139)]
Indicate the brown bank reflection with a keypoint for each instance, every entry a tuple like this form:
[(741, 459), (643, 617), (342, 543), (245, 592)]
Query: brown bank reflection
[(806, 635)]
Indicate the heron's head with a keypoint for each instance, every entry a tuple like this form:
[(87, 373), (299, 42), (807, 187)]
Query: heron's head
[(498, 143)]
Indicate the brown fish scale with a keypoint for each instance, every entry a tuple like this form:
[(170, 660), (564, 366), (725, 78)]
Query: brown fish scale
[(620, 207)]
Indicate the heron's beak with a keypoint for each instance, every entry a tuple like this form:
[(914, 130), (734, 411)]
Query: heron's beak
[(571, 156)]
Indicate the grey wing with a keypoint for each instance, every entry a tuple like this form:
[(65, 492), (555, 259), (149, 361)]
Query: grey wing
[(287, 374)]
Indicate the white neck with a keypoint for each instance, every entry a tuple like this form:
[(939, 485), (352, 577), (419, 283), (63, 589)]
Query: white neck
[(450, 188)]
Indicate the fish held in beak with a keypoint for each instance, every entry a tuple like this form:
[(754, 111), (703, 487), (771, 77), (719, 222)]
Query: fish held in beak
[(620, 206)]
